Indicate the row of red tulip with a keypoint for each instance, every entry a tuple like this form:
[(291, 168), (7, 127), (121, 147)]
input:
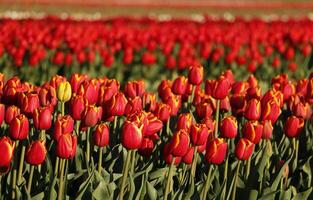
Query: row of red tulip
[(67, 108), (103, 42)]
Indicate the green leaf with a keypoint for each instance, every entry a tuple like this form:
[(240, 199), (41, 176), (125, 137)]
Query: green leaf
[(285, 194), (279, 175), (84, 185), (132, 187), (101, 192), (303, 195), (151, 191)]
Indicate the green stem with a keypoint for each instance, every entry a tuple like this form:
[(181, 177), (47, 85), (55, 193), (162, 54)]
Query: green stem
[(42, 135), (30, 180), (14, 183), (235, 183), (133, 162), (194, 164), (169, 177), (56, 167), (168, 124), (100, 160), (20, 169), (217, 113), (77, 124), (125, 174), (88, 147), (248, 166), (60, 192), (207, 183), (62, 108), (225, 172)]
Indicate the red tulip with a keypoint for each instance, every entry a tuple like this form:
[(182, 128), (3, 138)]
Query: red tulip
[(7, 151), (154, 125), (271, 111), (2, 113), (253, 131), (168, 157), (149, 101), (89, 90), (204, 110), (184, 121), (293, 126), (229, 127), (42, 118), (244, 149), (63, 125), (77, 106), (146, 147), (180, 85), (133, 105), (221, 88), (19, 127), (131, 135), (179, 143), (116, 105), (134, 89), (76, 80), (66, 146), (36, 153), (216, 151), (253, 110), (195, 76), (101, 135), (10, 113), (163, 112), (267, 129), (28, 103), (199, 134), (188, 157), (91, 116)]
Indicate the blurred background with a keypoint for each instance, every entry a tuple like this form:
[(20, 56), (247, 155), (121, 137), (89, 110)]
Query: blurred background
[(179, 8)]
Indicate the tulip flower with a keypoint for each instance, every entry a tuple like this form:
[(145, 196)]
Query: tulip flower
[(216, 151), (189, 156), (134, 88), (66, 146), (221, 88), (89, 90), (63, 125), (10, 113), (293, 126), (229, 127), (184, 121), (270, 111), (91, 115), (64, 91), (36, 153), (195, 75), (42, 118), (204, 110), (180, 85), (253, 131), (133, 105), (149, 101), (131, 135), (116, 105), (101, 135), (76, 80), (2, 113), (267, 129), (253, 110), (179, 143), (77, 106), (28, 103), (244, 149), (199, 134), (7, 151), (163, 112), (154, 125), (47, 96), (19, 127), (146, 147)]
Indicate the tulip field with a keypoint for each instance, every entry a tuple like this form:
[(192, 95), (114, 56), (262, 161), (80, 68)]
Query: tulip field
[(139, 108)]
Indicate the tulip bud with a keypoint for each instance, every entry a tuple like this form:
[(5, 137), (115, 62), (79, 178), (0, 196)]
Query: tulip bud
[(244, 149), (204, 110), (168, 157), (76, 80), (195, 75), (184, 121), (116, 105), (64, 91), (92, 115), (19, 127), (42, 118), (180, 85), (270, 111), (216, 151), (293, 126), (163, 112), (77, 106), (66, 146), (131, 135), (133, 105), (267, 129), (63, 125), (154, 125), (7, 151), (134, 88), (10, 113), (253, 110), (221, 88), (253, 130), (36, 153), (175, 103), (101, 135), (89, 90), (229, 127), (28, 103), (303, 110), (199, 134), (179, 143), (146, 147), (188, 157), (47, 96)]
